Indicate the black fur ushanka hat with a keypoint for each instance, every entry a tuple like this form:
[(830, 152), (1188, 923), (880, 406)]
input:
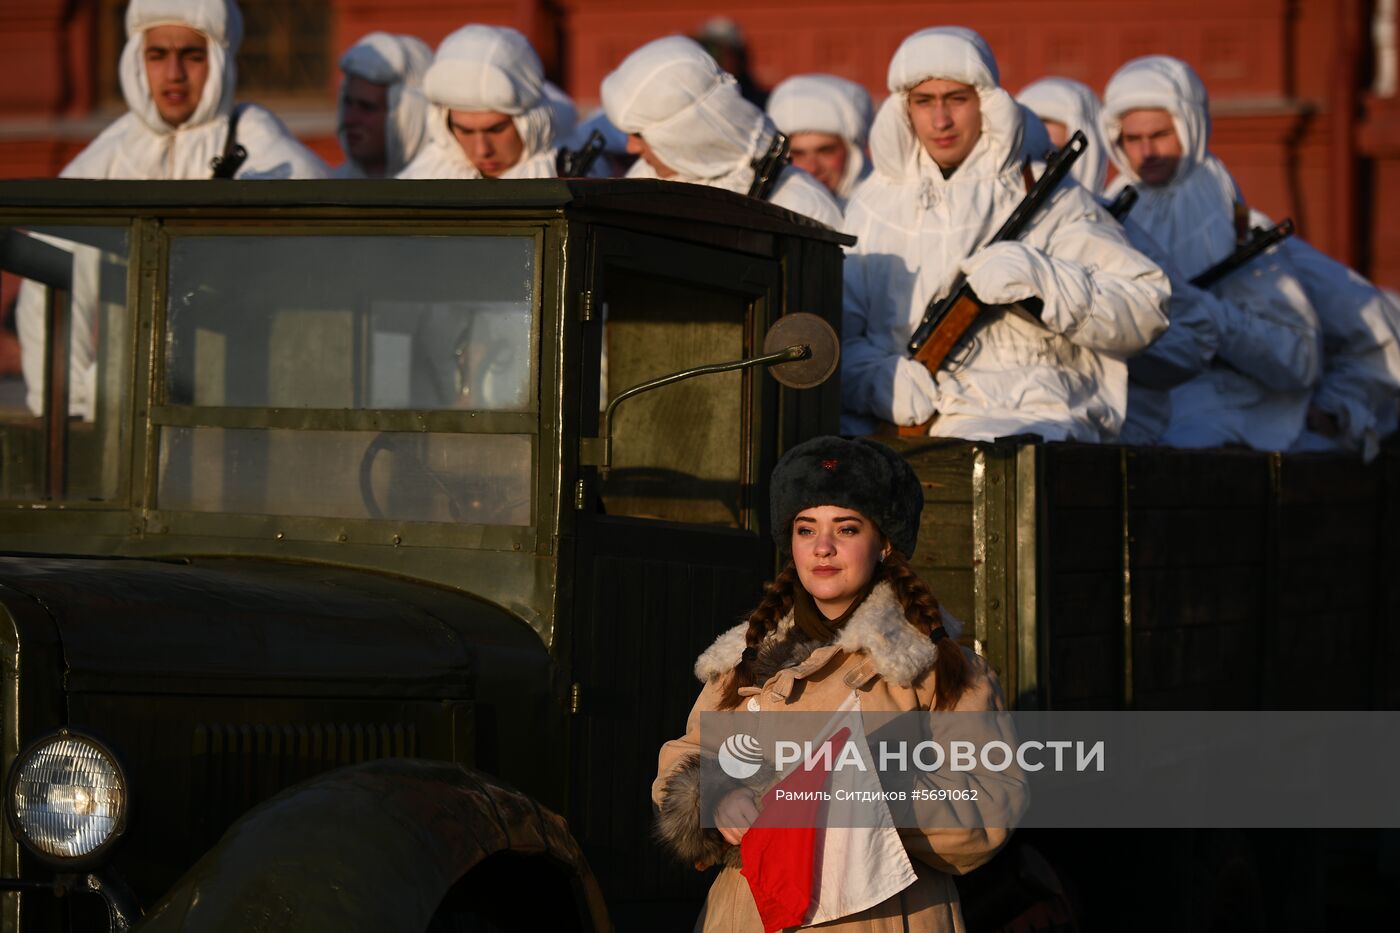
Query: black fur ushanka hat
[(854, 474)]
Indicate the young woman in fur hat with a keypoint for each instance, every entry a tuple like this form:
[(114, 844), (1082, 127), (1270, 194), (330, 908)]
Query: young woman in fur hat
[(846, 615)]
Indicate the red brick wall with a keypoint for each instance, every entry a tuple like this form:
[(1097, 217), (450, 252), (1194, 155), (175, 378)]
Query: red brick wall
[(432, 20), (1238, 45), (43, 56)]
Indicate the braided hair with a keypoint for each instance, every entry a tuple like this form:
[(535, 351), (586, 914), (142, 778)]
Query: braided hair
[(951, 670)]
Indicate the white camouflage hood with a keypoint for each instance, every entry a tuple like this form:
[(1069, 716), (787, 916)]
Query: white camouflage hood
[(218, 20), (689, 111), (1192, 216), (399, 63), (484, 69), (820, 103), (1077, 107), (951, 53)]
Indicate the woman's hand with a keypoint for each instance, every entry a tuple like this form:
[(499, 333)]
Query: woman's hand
[(734, 814)]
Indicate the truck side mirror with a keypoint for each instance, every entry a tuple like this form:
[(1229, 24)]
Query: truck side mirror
[(800, 349), (801, 329)]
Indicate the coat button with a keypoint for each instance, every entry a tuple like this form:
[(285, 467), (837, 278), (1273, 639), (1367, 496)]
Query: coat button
[(753, 705)]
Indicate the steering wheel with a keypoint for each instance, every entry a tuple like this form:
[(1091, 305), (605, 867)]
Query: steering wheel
[(480, 501)]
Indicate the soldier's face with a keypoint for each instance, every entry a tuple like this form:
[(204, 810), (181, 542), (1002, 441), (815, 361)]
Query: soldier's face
[(821, 155), (488, 139), (177, 67), (638, 147), (947, 118), (1149, 141), (364, 107)]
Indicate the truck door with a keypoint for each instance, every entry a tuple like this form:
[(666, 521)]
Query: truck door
[(672, 547)]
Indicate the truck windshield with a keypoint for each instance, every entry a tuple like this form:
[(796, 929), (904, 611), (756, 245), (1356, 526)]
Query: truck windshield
[(279, 349), (410, 322)]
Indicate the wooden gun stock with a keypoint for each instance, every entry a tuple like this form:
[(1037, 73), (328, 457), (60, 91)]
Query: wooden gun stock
[(949, 331), (932, 352)]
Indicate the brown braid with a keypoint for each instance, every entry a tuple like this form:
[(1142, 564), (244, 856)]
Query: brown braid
[(920, 608), (775, 604), (950, 669)]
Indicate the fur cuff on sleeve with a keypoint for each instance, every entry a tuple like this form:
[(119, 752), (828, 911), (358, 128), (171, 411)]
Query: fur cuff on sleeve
[(687, 797), (678, 821)]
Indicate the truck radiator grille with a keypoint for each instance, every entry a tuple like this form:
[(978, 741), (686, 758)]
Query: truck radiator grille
[(236, 766)]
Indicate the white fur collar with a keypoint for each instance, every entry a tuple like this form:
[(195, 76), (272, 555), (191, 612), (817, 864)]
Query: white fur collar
[(878, 628)]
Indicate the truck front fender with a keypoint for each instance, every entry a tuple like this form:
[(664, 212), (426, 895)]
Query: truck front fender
[(372, 847)]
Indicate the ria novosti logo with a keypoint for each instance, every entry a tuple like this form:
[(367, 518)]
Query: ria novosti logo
[(740, 756)]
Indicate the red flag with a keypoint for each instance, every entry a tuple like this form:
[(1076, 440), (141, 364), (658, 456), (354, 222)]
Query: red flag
[(780, 860)]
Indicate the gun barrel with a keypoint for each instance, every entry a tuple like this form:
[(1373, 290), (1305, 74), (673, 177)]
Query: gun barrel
[(769, 166), (575, 163), (1123, 204), (1259, 243), (1055, 171)]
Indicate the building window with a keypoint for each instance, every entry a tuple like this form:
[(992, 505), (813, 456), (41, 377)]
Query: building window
[(286, 50)]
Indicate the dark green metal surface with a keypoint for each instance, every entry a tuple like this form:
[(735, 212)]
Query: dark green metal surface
[(221, 681), (424, 199), (137, 626), (31, 703), (378, 847)]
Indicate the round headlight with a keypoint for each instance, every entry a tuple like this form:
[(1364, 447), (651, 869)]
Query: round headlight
[(67, 797)]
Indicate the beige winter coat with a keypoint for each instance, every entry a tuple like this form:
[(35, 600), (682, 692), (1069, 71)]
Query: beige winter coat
[(889, 664)]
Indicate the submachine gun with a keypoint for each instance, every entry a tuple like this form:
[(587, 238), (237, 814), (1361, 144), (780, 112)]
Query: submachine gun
[(768, 167), (1249, 247), (1257, 243), (575, 163), (947, 320)]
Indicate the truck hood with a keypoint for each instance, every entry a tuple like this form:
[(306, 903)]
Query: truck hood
[(236, 626)]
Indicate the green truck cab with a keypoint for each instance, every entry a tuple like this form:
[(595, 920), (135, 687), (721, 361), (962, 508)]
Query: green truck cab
[(317, 608)]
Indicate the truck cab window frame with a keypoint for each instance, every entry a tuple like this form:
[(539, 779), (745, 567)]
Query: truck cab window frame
[(334, 317)]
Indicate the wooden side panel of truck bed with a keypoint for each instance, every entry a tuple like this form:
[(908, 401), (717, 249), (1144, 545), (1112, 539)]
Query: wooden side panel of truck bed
[(1097, 577)]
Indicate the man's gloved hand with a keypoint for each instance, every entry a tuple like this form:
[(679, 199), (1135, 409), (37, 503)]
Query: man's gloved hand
[(1003, 273), (915, 394)]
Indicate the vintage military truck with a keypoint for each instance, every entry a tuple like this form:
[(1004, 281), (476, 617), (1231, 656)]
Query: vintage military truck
[(307, 482), (318, 606)]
